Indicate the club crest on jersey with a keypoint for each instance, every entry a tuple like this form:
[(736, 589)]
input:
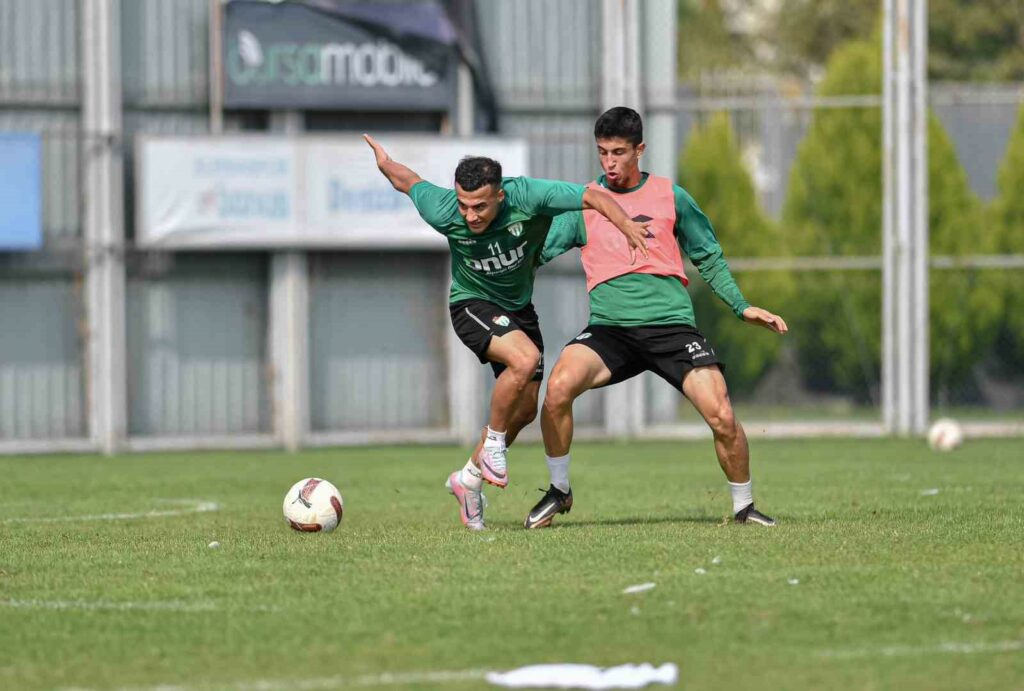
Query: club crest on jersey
[(501, 320), (516, 229)]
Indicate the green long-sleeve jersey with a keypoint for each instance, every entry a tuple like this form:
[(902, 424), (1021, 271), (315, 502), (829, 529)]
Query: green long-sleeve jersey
[(499, 264)]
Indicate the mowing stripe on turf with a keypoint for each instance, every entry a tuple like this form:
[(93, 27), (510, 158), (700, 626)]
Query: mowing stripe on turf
[(152, 606), (937, 649), (339, 682), (189, 506)]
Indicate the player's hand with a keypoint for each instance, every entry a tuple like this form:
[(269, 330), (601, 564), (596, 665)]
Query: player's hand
[(636, 235), (378, 151), (760, 317)]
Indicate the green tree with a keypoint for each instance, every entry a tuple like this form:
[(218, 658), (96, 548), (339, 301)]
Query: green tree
[(1007, 214), (834, 207), (968, 40), (965, 304), (805, 32), (976, 39), (705, 40), (712, 171)]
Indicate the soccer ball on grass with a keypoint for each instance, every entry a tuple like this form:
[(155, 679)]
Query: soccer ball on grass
[(313, 505), (945, 435)]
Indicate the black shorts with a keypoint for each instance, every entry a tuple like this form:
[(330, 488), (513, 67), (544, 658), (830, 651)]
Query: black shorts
[(477, 321), (668, 351)]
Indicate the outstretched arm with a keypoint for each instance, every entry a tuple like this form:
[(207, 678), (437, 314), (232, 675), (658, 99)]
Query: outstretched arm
[(636, 233), (700, 244), (401, 177), (715, 272)]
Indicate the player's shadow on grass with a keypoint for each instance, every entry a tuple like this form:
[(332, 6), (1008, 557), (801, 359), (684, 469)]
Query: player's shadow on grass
[(636, 520)]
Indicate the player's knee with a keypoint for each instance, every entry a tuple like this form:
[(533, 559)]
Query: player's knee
[(559, 393), (723, 421), (525, 363)]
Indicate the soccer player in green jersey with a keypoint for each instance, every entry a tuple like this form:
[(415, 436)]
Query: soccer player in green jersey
[(496, 228), (641, 317)]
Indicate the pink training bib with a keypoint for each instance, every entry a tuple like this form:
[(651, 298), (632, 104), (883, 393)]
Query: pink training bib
[(606, 254)]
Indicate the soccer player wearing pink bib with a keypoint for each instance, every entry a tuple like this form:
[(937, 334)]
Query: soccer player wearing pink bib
[(641, 317)]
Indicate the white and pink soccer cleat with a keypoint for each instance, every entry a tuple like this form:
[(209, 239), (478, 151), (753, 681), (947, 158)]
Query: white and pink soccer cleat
[(471, 502), (494, 467)]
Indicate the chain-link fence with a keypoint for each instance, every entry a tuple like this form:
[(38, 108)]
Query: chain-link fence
[(786, 163)]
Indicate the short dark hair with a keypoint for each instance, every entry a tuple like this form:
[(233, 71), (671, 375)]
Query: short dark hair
[(473, 172), (620, 121)]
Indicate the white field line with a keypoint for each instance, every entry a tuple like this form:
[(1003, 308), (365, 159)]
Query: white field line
[(338, 682), (189, 506), (950, 648), (125, 606)]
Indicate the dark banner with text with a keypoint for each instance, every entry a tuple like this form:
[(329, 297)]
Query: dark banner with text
[(360, 56)]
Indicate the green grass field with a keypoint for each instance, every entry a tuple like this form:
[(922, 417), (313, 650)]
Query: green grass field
[(897, 585)]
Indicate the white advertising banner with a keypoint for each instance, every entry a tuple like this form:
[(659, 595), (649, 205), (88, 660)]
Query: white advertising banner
[(299, 192)]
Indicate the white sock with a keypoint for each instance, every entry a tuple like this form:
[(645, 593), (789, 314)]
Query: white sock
[(558, 466), (742, 495), (494, 440), (469, 476)]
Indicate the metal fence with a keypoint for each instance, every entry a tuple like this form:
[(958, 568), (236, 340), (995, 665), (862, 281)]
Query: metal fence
[(975, 372), (382, 362)]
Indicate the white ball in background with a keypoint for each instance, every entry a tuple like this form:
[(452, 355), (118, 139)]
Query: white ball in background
[(945, 435), (313, 505)]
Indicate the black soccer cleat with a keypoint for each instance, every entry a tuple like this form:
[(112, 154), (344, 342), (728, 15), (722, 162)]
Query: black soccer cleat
[(555, 501), (752, 515)]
